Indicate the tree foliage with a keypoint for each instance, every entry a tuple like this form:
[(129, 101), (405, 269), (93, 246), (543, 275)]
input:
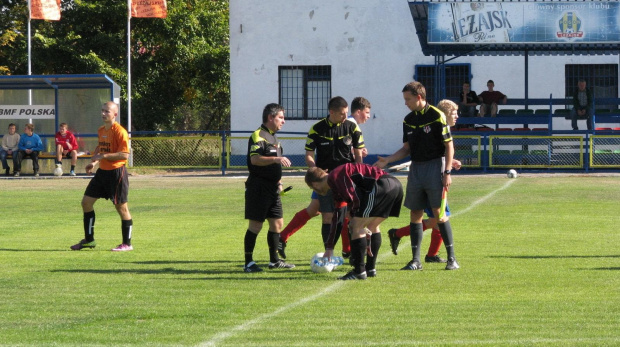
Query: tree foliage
[(179, 65)]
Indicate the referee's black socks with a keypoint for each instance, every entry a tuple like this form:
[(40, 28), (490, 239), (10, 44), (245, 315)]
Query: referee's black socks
[(416, 239), (89, 226), (249, 242), (448, 240), (273, 239)]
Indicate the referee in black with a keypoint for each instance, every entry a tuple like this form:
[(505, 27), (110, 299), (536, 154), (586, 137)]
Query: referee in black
[(336, 141), (263, 187)]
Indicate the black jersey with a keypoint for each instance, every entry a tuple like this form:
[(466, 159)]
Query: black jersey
[(426, 131), (265, 143), (333, 142)]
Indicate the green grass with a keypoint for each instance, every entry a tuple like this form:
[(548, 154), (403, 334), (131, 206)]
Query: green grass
[(539, 260)]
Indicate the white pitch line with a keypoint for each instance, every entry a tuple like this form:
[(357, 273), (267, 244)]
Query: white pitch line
[(247, 325), (484, 198)]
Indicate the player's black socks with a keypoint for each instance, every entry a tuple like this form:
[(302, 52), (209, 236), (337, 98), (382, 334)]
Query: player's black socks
[(249, 242), (375, 244), (126, 229), (358, 252), (325, 232), (448, 240), (72, 167), (416, 239), (89, 226), (273, 239)]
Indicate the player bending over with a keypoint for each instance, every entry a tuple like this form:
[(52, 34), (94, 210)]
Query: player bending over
[(371, 195)]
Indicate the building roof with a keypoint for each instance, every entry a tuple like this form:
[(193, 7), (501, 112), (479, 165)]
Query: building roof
[(420, 14), (57, 82)]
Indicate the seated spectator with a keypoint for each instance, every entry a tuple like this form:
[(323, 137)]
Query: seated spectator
[(490, 99), (9, 147), (30, 145), (468, 100), (582, 105), (66, 146)]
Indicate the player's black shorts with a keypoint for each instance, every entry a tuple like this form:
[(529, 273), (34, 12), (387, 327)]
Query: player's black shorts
[(262, 200), (68, 155), (383, 201), (110, 185)]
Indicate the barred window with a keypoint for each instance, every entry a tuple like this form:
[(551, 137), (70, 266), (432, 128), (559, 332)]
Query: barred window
[(305, 91), (601, 79)]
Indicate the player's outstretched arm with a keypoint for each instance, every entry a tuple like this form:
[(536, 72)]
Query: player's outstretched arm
[(402, 153)]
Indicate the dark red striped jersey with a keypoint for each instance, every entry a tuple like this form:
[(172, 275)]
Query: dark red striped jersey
[(348, 178)]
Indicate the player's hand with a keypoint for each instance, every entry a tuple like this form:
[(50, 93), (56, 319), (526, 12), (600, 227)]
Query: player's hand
[(89, 168), (284, 161), (381, 162), (456, 164), (364, 152), (328, 254), (69, 147)]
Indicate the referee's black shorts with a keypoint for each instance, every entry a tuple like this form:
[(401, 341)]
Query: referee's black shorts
[(110, 185), (383, 201), (262, 200)]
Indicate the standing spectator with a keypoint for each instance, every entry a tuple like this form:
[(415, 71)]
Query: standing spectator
[(468, 100), (10, 147), (30, 146), (263, 188), (582, 105), (360, 113), (66, 145), (490, 99), (110, 181), (427, 140), (371, 195)]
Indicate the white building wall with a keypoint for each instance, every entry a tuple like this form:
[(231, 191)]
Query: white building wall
[(372, 48)]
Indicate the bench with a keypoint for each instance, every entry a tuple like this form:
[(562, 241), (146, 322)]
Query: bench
[(540, 112), (45, 165), (514, 120)]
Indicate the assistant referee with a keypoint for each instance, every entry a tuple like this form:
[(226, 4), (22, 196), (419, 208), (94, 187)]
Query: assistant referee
[(263, 187)]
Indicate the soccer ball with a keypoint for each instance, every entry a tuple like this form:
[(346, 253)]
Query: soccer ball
[(318, 264), (58, 171), (512, 173)]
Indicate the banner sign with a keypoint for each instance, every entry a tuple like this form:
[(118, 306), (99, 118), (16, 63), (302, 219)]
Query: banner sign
[(45, 9), (27, 112), (149, 8), (523, 22)]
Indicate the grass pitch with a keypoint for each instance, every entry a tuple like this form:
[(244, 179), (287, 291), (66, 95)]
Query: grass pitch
[(539, 257)]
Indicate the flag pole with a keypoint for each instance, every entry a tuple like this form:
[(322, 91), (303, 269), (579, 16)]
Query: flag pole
[(129, 79), (29, 53)]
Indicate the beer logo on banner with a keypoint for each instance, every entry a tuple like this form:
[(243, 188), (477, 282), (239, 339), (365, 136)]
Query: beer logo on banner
[(570, 25)]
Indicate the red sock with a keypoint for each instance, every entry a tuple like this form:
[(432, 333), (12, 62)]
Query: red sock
[(344, 236), (301, 218), (402, 232), (424, 226), (433, 248)]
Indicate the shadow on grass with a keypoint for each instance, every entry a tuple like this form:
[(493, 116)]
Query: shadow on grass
[(554, 256), (281, 274), (32, 250), (606, 268)]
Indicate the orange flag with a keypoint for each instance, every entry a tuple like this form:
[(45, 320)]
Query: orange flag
[(45, 9), (149, 8)]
